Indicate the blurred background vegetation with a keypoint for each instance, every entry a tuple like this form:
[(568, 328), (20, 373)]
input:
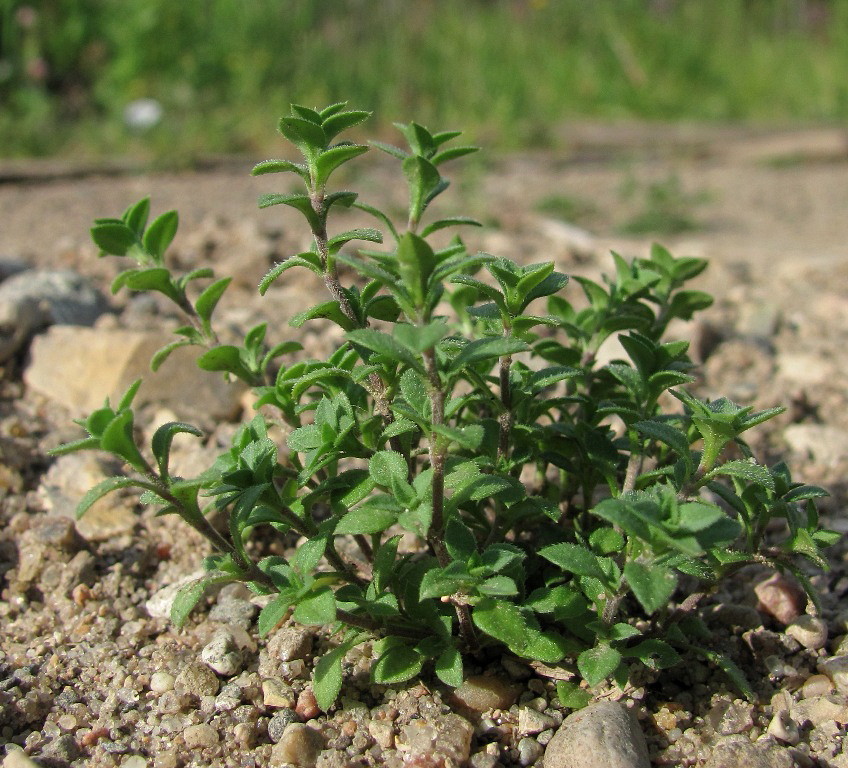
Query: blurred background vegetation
[(509, 71)]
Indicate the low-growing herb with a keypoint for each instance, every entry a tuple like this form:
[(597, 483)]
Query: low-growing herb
[(563, 512)]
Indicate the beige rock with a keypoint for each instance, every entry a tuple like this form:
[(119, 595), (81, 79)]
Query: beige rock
[(481, 693), (602, 735), (17, 758), (836, 668), (819, 710), (69, 479), (810, 631), (300, 745), (80, 367), (780, 597), (197, 679), (277, 694), (826, 444), (200, 736), (435, 743)]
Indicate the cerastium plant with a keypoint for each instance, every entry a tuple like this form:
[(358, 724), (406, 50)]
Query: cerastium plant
[(560, 512)]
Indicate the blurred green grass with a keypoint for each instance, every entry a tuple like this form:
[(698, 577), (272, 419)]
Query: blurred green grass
[(508, 71)]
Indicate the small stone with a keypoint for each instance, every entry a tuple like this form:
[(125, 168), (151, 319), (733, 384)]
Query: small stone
[(784, 728), (307, 706), (134, 761), (816, 685), (529, 751), (160, 603), (245, 734), (17, 758), (200, 736), (836, 668), (729, 717), (279, 722), (781, 597), (382, 732), (530, 721), (481, 693), (299, 745), (432, 743), (819, 710), (197, 679), (483, 760), (601, 735), (234, 611), (290, 643), (810, 631), (736, 751), (161, 681), (276, 693), (64, 747), (222, 654), (826, 444)]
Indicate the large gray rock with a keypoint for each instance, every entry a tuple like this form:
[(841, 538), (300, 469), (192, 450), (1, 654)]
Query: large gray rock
[(80, 367), (603, 735), (34, 299)]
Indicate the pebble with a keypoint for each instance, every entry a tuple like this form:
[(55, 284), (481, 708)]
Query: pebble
[(836, 668), (816, 685), (200, 736), (34, 299), (245, 734), (299, 745), (307, 706), (601, 735), (197, 679), (810, 631), (531, 721), (481, 693), (63, 747), (781, 597), (279, 722), (222, 654), (729, 717), (382, 732), (234, 611), (784, 728), (826, 444), (290, 643), (17, 758), (158, 606), (819, 710), (736, 751), (134, 761), (276, 693), (433, 743), (529, 751), (161, 681)]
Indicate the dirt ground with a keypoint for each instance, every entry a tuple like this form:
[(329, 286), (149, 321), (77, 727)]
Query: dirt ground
[(766, 207)]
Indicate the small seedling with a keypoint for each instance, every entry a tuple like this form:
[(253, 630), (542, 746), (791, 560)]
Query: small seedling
[(557, 505)]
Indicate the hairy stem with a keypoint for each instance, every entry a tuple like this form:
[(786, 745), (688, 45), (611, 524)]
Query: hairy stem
[(505, 419)]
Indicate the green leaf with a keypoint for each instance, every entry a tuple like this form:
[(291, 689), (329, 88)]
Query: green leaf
[(653, 585), (273, 613), (459, 540), (397, 665), (135, 217), (574, 559), (113, 237), (327, 677), (341, 121), (162, 439), (160, 233), (332, 158), (498, 586), (367, 233), (208, 300), (448, 667), (571, 695), (102, 488), (424, 184), (304, 134), (280, 166), (318, 607), (189, 596), (299, 202), (454, 221), (383, 344), (118, 438), (162, 354), (385, 465), (744, 470), (366, 519), (598, 663), (226, 358), (654, 654), (487, 349), (418, 338)]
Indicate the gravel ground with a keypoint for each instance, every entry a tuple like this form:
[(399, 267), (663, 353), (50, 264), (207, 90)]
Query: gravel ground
[(91, 674)]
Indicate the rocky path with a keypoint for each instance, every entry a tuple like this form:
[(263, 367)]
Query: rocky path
[(91, 674)]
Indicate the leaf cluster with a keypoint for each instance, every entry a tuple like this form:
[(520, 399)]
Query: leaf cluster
[(560, 510)]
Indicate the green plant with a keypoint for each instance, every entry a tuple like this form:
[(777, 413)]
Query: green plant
[(557, 505)]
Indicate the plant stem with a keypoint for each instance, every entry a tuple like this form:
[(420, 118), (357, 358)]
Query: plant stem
[(331, 278), (505, 419)]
